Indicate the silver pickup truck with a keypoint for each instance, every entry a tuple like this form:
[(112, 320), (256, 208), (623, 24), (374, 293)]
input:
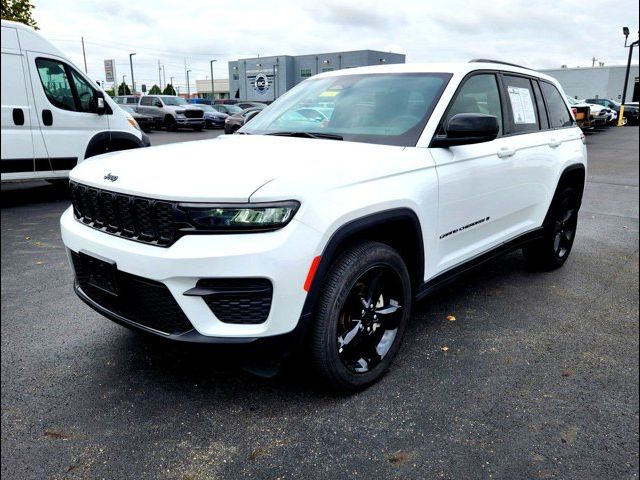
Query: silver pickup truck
[(171, 112)]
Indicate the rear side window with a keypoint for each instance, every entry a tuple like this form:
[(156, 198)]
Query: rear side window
[(521, 104), (56, 83), (559, 115), (479, 94), (542, 111), (146, 101)]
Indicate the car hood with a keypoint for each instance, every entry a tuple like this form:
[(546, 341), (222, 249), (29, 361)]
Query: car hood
[(233, 167)]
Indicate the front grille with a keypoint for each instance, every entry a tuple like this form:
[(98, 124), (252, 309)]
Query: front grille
[(195, 113), (136, 218), (239, 300), (140, 300)]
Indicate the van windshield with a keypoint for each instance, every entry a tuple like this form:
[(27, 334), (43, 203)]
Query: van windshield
[(388, 109)]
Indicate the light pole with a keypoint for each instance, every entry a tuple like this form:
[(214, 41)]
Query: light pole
[(188, 87), (164, 77), (213, 88), (625, 32), (133, 82)]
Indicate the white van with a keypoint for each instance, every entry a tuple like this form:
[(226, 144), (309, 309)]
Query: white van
[(53, 115)]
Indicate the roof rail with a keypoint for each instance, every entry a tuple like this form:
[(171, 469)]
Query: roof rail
[(487, 60)]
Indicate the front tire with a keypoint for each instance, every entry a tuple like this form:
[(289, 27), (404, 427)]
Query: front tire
[(361, 316), (554, 248)]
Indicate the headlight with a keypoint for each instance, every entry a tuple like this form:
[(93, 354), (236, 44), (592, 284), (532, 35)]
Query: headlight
[(180, 113), (133, 122), (223, 218)]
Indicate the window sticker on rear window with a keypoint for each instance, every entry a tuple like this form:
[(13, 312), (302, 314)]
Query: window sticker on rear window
[(522, 105)]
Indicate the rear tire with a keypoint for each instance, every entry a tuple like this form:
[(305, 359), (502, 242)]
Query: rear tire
[(554, 248), (361, 316)]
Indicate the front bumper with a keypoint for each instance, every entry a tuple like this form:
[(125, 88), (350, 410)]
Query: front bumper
[(190, 122), (283, 257)]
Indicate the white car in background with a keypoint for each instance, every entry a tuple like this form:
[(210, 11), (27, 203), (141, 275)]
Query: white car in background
[(599, 115)]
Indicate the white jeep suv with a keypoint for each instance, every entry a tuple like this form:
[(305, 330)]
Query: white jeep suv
[(321, 229)]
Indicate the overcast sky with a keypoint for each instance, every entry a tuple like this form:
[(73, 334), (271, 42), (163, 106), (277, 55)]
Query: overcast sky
[(535, 33)]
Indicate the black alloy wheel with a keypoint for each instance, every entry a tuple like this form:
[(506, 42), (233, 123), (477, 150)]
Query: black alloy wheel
[(361, 316), (554, 248)]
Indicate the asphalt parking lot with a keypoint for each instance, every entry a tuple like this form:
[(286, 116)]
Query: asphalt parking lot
[(539, 378)]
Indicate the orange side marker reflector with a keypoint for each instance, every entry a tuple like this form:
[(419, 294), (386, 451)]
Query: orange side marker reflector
[(312, 273)]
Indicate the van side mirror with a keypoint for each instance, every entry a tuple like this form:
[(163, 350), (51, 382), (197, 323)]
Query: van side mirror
[(99, 105), (467, 129)]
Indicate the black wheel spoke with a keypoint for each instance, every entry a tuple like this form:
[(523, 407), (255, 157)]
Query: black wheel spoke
[(370, 319)]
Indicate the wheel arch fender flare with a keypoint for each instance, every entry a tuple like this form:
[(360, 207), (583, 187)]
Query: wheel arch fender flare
[(573, 175), (369, 227), (108, 140)]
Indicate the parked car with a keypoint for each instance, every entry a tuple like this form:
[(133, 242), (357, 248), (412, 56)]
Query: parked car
[(229, 109), (127, 100), (172, 112), (324, 232), (631, 112), (53, 115), (233, 123), (598, 115), (213, 117), (245, 105), (146, 122)]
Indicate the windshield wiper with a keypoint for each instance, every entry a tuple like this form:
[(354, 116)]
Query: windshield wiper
[(328, 136)]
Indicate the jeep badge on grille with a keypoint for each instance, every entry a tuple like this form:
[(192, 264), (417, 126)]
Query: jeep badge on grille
[(108, 176)]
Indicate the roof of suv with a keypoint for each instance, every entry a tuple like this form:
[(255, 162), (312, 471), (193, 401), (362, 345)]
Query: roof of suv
[(455, 68)]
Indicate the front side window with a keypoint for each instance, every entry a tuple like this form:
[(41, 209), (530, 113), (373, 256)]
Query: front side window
[(559, 115), (56, 83), (389, 109), (479, 94), (84, 90), (521, 101)]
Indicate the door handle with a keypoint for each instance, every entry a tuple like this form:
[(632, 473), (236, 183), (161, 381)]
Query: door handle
[(506, 152), (553, 143), (18, 116), (47, 117)]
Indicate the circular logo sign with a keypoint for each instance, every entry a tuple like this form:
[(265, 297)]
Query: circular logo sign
[(261, 83)]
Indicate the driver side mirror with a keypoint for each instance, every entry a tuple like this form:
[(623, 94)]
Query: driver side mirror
[(99, 105), (467, 129)]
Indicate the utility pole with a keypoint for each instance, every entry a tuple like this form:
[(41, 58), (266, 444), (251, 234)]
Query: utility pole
[(84, 55), (593, 62), (133, 82), (159, 75), (213, 88), (164, 77), (188, 86)]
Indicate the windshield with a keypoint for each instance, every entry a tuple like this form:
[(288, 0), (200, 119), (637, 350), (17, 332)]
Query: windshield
[(389, 109), (174, 101), (230, 109)]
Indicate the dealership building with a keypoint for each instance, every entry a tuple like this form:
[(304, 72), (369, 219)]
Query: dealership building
[(598, 82), (266, 78)]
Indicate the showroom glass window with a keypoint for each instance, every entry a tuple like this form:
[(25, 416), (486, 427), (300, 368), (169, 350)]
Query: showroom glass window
[(559, 115)]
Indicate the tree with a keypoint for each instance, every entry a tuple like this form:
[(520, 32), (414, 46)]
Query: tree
[(124, 89), (18, 11), (168, 90), (155, 90), (110, 92)]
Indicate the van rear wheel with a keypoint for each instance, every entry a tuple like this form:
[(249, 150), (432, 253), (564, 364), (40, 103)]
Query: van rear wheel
[(361, 316)]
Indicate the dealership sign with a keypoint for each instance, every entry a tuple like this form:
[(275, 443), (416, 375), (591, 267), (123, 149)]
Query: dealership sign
[(109, 70), (261, 84)]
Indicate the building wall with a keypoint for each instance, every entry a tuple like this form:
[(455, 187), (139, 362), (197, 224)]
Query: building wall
[(221, 86), (602, 82), (267, 78)]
